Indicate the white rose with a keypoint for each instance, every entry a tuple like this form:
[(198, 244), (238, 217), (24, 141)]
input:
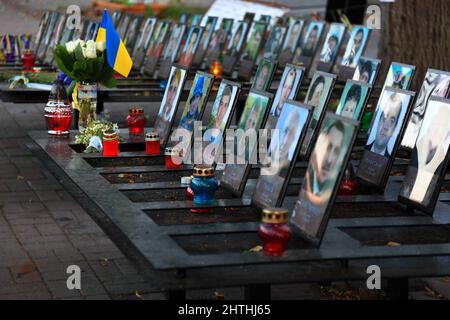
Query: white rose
[(70, 46), (80, 42), (84, 51), (91, 50), (101, 46)]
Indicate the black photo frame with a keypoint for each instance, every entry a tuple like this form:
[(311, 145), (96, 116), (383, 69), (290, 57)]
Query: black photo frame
[(366, 87), (235, 176), (438, 175), (247, 63), (268, 77), (375, 65), (346, 71), (291, 41), (273, 118), (299, 213), (315, 124), (170, 57), (374, 169), (326, 63), (268, 191), (153, 54), (163, 126)]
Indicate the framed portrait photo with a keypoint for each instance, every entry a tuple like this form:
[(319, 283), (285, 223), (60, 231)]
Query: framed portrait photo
[(170, 52), (282, 154), (323, 176), (436, 84), (245, 141), (156, 45), (264, 75), (49, 30), (219, 40), (208, 29), (133, 33), (399, 76), (293, 35), (219, 120), (169, 103), (274, 43), (317, 96), (367, 70), (287, 90), (353, 100), (306, 50), (142, 42), (252, 49), (387, 127), (331, 46), (238, 36), (355, 46), (41, 29), (190, 47), (430, 158)]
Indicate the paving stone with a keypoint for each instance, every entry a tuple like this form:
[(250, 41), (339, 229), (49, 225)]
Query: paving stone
[(51, 229), (68, 254), (5, 277), (12, 208), (35, 295), (440, 286), (25, 273), (22, 288), (59, 290)]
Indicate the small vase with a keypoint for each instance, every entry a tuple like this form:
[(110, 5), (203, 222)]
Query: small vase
[(87, 104)]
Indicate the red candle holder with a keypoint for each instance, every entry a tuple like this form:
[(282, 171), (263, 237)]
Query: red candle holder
[(110, 143), (28, 60), (152, 143), (348, 187), (173, 158), (136, 121), (58, 112), (274, 231)]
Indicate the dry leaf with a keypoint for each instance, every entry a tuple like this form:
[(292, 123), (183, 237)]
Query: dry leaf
[(20, 177), (218, 295), (445, 279), (121, 175), (138, 295), (257, 248), (393, 244)]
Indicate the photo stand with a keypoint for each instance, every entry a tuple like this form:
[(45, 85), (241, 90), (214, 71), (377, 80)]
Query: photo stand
[(245, 70), (374, 169), (228, 64)]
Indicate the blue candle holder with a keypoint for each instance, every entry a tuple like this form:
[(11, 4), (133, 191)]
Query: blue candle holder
[(204, 185)]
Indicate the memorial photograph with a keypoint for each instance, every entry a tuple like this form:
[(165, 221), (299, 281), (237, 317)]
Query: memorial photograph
[(232, 158), (335, 141), (430, 155)]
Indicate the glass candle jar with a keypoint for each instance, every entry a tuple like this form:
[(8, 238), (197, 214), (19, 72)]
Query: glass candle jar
[(110, 143), (58, 112), (274, 231), (152, 144), (173, 158), (204, 185), (349, 185), (136, 121), (28, 60)]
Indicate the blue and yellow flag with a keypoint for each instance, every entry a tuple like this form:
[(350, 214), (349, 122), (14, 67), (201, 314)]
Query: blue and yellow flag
[(116, 53)]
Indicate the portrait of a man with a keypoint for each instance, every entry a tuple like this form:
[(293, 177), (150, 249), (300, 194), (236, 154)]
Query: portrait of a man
[(332, 43), (190, 46), (317, 97), (352, 102), (169, 103), (235, 44), (388, 121), (312, 39), (292, 38), (157, 41), (366, 71), (171, 49), (196, 102), (355, 47), (220, 36), (435, 84), (429, 154), (289, 84), (273, 44), (263, 75), (334, 142), (254, 41)]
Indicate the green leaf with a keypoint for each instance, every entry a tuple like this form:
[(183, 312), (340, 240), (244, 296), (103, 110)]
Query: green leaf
[(63, 59), (109, 82), (79, 53)]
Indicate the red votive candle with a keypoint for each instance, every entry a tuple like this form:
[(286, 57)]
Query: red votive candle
[(110, 143), (173, 158), (152, 144), (136, 121), (28, 60), (274, 231)]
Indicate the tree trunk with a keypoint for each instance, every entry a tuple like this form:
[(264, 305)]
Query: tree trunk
[(416, 32)]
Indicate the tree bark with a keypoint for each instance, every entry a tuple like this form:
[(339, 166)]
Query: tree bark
[(416, 32)]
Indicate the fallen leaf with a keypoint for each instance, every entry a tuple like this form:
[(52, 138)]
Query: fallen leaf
[(20, 177), (257, 248), (393, 244), (121, 175), (218, 295), (138, 295), (445, 279)]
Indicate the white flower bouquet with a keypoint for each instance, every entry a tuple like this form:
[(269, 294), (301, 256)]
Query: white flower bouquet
[(85, 61)]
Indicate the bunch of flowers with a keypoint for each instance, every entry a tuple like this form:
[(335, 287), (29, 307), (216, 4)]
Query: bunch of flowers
[(93, 133), (85, 61)]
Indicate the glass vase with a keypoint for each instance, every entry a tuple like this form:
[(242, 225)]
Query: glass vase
[(87, 104)]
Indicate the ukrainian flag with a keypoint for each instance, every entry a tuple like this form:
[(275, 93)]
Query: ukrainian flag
[(116, 53)]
